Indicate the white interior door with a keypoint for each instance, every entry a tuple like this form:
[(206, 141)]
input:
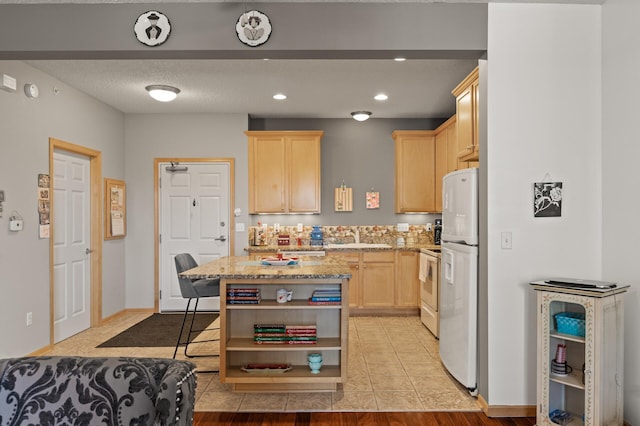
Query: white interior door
[(194, 218), (71, 245)]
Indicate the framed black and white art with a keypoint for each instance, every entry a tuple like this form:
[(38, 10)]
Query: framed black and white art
[(547, 199), (253, 28), (152, 28)]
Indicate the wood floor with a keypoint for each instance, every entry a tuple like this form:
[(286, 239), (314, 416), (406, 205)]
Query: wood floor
[(448, 418)]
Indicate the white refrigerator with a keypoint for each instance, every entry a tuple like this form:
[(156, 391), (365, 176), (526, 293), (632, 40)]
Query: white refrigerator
[(459, 276)]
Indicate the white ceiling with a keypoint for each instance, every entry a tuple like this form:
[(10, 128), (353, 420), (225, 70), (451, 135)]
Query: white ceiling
[(318, 88), (314, 88)]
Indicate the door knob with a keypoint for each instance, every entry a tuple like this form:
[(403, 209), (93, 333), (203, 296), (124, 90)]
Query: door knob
[(221, 238), (88, 251)]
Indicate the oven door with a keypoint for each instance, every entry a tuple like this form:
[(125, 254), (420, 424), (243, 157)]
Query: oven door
[(429, 282)]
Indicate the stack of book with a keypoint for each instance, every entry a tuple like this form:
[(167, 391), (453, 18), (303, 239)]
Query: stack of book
[(326, 297), (279, 334), (243, 296)]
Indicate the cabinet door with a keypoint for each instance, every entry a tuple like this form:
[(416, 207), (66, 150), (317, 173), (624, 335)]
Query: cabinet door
[(415, 171), (464, 120), (355, 285), (452, 148), (407, 283), (378, 279), (267, 174), (475, 141), (304, 174), (441, 167)]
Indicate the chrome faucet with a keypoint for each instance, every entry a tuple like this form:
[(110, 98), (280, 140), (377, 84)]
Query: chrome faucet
[(356, 236)]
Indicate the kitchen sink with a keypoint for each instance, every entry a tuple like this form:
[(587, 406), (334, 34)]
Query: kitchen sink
[(356, 245)]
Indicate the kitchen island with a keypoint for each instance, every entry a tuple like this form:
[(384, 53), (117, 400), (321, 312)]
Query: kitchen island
[(254, 355)]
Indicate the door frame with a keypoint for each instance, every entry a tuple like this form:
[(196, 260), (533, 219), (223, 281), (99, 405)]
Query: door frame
[(95, 217), (156, 213)]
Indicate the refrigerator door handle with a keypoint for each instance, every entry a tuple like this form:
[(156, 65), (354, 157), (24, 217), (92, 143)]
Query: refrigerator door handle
[(447, 263)]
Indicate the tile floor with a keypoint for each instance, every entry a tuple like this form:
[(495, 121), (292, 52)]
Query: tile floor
[(394, 370)]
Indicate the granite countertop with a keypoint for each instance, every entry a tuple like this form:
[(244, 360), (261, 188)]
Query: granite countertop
[(275, 248), (248, 267)]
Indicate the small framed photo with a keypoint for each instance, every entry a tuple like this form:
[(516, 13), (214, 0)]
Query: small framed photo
[(547, 199)]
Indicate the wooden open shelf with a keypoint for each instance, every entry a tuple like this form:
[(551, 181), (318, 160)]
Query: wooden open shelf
[(237, 345)]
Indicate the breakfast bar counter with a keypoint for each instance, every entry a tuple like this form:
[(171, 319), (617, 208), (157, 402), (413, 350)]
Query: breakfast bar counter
[(268, 341), (252, 267)]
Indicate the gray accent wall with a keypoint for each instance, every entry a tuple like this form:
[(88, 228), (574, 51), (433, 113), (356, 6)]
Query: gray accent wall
[(362, 155)]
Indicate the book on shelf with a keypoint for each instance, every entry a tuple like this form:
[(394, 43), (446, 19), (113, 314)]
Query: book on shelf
[(326, 293), (242, 290), (243, 295), (268, 325), (327, 290), (237, 297), (299, 326), (324, 302), (243, 302), (284, 341), (258, 334), (281, 338), (325, 299), (301, 333)]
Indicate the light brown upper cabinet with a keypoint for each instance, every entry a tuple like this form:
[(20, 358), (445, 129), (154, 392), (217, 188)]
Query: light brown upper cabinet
[(284, 171), (415, 152), (466, 94), (446, 156)]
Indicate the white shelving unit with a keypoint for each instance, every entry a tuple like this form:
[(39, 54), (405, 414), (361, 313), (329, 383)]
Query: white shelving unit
[(595, 397), (237, 347)]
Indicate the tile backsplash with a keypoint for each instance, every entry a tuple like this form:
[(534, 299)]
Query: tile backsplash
[(379, 234)]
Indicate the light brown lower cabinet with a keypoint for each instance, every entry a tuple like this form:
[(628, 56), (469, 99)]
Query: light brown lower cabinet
[(407, 283), (384, 282), (378, 281)]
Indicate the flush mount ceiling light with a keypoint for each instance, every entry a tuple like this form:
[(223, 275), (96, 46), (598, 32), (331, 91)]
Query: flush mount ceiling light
[(381, 97), (361, 115), (280, 96), (162, 93)]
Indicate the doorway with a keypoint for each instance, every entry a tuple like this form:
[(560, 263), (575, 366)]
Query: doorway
[(75, 249), (193, 215)]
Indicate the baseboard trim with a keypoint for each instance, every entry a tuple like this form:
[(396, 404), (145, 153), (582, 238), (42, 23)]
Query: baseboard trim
[(127, 311), (42, 351), (506, 410)]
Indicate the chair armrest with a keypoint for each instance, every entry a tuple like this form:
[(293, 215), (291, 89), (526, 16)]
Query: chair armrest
[(176, 396)]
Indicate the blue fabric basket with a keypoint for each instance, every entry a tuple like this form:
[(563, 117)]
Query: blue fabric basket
[(570, 323)]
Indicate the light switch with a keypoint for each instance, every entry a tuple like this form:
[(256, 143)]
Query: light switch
[(239, 227), (506, 240)]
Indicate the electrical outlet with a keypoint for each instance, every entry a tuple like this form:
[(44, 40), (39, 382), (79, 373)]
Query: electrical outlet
[(29, 318), (403, 227), (299, 227), (429, 227)]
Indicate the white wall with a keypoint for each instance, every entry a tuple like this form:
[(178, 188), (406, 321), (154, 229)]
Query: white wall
[(25, 128), (621, 150), (543, 123), (150, 136)]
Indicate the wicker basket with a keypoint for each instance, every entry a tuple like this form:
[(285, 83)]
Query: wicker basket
[(570, 323)]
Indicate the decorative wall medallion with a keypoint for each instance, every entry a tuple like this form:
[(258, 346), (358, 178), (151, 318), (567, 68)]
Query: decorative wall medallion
[(152, 28), (253, 28)]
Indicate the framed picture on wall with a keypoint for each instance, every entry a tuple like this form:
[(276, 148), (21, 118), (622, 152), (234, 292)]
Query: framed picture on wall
[(115, 196), (547, 199)]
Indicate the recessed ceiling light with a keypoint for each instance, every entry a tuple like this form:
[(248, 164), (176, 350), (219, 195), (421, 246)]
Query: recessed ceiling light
[(380, 97), (400, 59), (279, 96), (162, 93)]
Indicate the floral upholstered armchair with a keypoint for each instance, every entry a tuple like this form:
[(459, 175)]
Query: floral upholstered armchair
[(59, 390)]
